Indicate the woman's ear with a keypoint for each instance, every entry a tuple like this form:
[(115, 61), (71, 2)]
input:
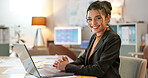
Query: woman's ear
[(108, 18)]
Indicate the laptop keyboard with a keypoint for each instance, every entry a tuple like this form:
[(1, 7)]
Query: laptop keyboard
[(51, 69)]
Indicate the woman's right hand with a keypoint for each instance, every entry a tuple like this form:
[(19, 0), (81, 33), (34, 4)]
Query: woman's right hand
[(56, 62), (61, 63)]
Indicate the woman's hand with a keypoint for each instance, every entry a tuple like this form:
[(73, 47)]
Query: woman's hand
[(61, 63)]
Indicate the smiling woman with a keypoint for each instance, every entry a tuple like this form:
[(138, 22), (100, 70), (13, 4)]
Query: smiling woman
[(101, 57)]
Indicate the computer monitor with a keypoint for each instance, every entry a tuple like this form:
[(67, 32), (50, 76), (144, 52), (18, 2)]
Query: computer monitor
[(67, 35)]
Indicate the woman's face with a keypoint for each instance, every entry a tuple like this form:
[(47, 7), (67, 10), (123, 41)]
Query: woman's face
[(97, 21)]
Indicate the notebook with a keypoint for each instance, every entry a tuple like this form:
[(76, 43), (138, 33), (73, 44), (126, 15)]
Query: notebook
[(30, 67)]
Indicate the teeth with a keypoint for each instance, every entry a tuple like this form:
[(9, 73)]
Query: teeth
[(95, 27)]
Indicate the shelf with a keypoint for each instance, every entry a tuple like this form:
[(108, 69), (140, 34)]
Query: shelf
[(4, 41), (130, 34)]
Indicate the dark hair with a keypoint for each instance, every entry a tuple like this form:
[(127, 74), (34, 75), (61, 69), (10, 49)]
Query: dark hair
[(105, 6)]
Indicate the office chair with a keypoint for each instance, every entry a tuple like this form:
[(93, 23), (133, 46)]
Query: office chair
[(38, 51), (61, 50), (145, 51), (131, 67)]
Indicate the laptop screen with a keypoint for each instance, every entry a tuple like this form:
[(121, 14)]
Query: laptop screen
[(26, 59), (84, 44)]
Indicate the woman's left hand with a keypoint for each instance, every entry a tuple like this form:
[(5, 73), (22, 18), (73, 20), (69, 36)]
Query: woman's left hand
[(61, 63)]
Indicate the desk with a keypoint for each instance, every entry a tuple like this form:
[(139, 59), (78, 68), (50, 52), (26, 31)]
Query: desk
[(136, 54), (7, 63)]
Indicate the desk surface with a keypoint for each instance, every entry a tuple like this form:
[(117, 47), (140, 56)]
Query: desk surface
[(11, 67), (136, 53)]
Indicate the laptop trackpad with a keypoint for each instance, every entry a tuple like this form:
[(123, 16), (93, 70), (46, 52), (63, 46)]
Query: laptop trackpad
[(44, 72)]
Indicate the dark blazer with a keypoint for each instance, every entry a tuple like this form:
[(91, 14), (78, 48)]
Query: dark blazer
[(104, 61)]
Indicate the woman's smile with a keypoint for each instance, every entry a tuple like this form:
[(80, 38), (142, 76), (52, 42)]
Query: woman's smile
[(95, 27)]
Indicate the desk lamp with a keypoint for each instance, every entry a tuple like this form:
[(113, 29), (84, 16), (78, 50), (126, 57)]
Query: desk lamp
[(39, 40)]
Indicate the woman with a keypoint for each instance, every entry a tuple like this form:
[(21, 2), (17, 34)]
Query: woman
[(101, 58)]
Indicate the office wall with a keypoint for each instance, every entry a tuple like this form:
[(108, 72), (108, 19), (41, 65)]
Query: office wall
[(136, 10), (60, 12), (20, 12), (59, 15), (56, 12)]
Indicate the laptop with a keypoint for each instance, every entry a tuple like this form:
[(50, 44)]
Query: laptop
[(84, 44), (30, 67)]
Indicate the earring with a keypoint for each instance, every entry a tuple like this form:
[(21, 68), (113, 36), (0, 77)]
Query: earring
[(107, 25)]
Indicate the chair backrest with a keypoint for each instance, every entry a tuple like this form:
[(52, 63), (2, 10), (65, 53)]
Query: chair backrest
[(38, 51), (145, 51), (61, 50), (131, 67)]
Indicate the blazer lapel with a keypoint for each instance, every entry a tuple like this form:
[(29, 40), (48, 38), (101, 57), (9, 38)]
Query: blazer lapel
[(89, 49), (99, 44)]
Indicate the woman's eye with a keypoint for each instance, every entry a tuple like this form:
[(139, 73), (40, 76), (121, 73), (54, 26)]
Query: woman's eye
[(89, 20), (98, 18)]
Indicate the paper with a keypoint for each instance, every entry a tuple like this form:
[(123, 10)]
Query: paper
[(15, 70), (4, 35), (133, 34), (146, 39), (10, 62)]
